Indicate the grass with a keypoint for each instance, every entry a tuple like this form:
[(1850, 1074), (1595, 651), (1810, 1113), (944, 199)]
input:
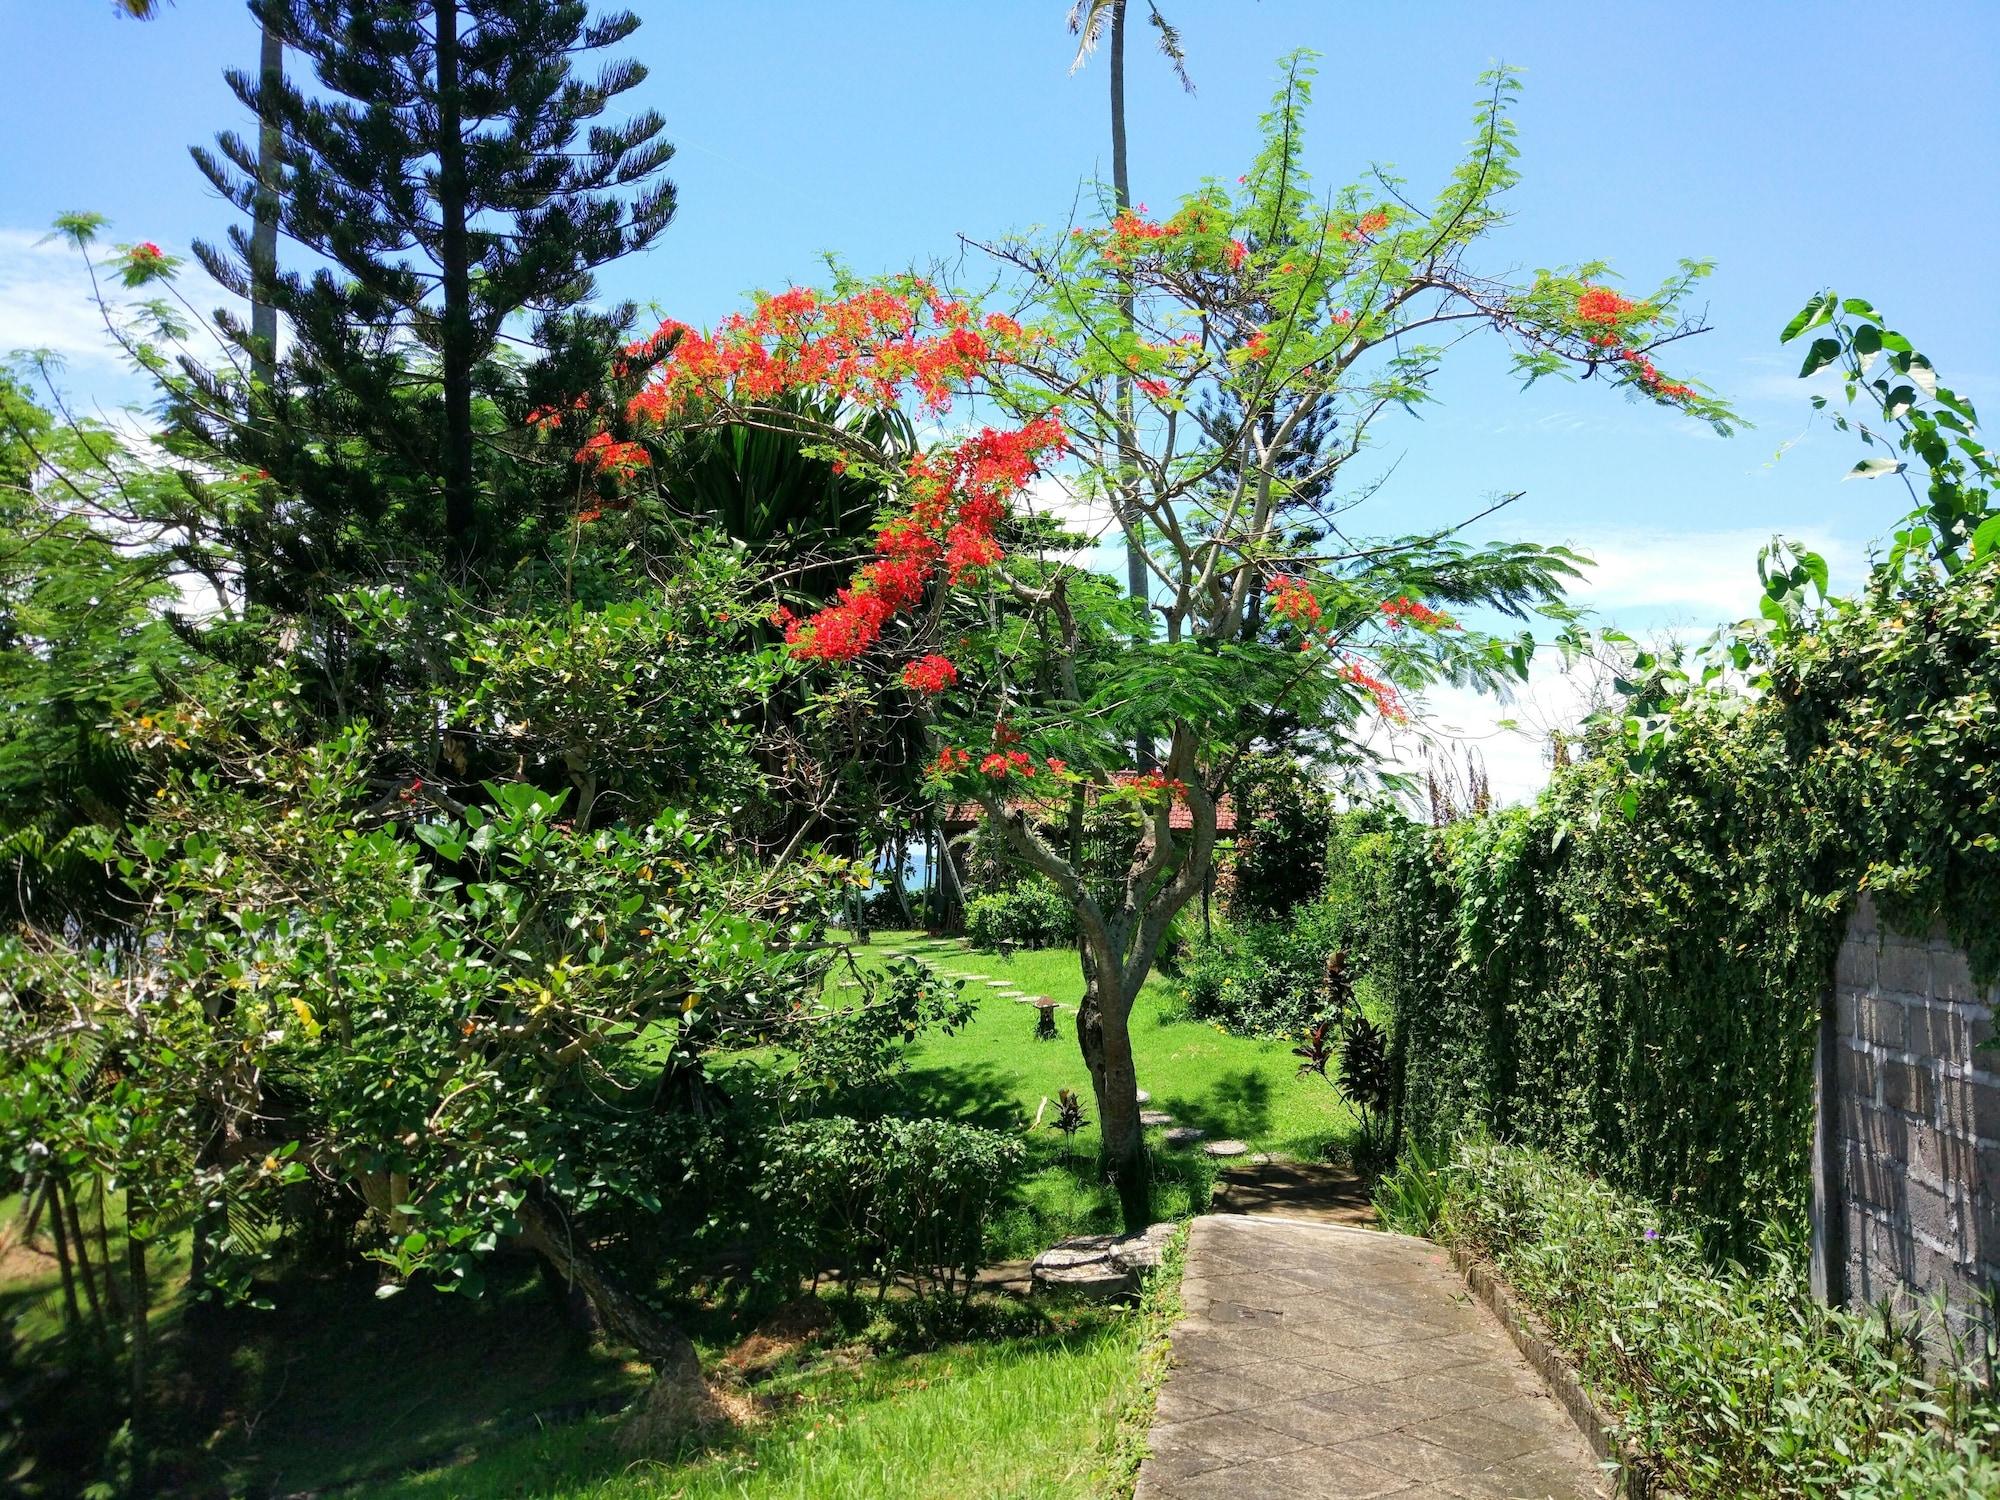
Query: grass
[(1050, 1414), (995, 1073)]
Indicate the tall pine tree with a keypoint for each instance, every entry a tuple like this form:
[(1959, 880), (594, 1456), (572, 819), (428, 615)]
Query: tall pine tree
[(450, 180)]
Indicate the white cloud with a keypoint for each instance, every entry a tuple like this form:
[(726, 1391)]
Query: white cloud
[(1658, 585), (45, 301), (1696, 578)]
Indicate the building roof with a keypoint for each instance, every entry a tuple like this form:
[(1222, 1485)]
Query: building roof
[(965, 814)]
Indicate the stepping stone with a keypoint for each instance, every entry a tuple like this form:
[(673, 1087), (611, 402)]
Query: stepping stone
[(1083, 1267), (1145, 1250), (1184, 1135), (1226, 1148), (1151, 1117), (1144, 1098)]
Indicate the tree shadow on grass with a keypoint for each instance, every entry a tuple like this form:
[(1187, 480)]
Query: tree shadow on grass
[(1237, 1104), (972, 1093)]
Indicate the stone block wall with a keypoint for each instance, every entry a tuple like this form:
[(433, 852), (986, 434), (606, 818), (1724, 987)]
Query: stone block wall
[(1910, 1125)]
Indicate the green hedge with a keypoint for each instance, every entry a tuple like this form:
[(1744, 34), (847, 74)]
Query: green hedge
[(1033, 914), (1731, 1384), (888, 1200), (1629, 972)]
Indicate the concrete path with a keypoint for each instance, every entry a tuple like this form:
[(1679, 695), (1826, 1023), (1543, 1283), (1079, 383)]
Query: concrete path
[(1318, 1361)]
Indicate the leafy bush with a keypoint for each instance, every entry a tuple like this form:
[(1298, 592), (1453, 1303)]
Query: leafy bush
[(1731, 1384), (889, 1200), (1034, 914), (1283, 820), (1264, 979), (1411, 1196)]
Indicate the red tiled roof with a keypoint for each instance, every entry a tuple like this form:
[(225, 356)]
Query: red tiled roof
[(965, 814)]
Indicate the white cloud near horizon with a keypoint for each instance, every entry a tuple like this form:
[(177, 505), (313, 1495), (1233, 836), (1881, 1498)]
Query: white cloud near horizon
[(45, 301)]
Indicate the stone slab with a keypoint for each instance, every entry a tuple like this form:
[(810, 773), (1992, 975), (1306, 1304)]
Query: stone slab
[(1265, 1397)]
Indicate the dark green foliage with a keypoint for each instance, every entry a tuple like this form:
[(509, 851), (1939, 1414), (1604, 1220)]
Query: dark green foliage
[(1629, 973), (1034, 914), (891, 1200), (1367, 1081), (1268, 978), (1891, 714), (1640, 995), (82, 643), (450, 166), (1731, 1384), (1282, 821)]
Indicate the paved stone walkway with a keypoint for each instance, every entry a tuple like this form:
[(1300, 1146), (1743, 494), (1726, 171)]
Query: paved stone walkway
[(1317, 1361)]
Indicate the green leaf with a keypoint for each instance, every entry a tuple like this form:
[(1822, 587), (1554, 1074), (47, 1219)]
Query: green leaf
[(1875, 468), (1922, 375), (1810, 314), (1987, 536), (1823, 353)]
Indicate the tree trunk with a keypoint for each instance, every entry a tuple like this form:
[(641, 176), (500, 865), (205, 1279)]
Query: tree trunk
[(455, 350), (680, 1400), (1104, 1034), (1128, 426), (264, 231)]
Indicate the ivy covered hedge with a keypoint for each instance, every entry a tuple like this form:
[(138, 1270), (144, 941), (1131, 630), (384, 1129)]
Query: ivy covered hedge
[(1628, 973)]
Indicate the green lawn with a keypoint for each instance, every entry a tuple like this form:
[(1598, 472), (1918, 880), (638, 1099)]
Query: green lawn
[(1018, 1417), (995, 1073)]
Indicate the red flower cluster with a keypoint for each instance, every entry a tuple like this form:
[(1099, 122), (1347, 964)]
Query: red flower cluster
[(869, 347), (959, 499), (1234, 252), (1004, 763), (1155, 782), (604, 454), (1372, 222), (145, 253), (950, 760), (552, 416), (1405, 610), (930, 675), (1158, 390), (1604, 308), (1599, 304), (1388, 702), (1259, 346), (1292, 600)]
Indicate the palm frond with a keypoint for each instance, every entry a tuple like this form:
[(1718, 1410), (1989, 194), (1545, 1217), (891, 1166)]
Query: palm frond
[(1086, 24), (1170, 45)]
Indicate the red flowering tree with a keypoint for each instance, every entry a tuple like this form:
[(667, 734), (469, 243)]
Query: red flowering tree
[(1274, 611)]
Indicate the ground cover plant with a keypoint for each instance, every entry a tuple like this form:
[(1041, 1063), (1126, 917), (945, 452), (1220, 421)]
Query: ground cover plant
[(1731, 1382)]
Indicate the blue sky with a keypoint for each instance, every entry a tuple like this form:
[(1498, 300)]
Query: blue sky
[(1796, 145)]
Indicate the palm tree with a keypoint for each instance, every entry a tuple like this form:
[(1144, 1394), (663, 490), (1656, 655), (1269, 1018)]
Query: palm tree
[(1087, 22)]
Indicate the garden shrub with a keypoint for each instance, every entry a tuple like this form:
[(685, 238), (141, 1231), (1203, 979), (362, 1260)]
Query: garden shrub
[(1730, 1383), (887, 1200), (1264, 978), (1033, 914), (1282, 824)]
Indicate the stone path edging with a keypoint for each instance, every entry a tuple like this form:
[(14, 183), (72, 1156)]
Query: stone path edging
[(1635, 1479)]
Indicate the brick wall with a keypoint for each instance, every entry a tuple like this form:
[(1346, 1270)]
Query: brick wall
[(1909, 1172)]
